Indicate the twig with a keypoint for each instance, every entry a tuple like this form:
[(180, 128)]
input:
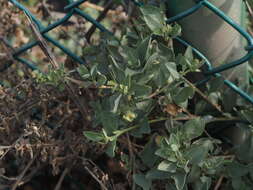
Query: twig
[(132, 158), (32, 173), (59, 183), (20, 177), (9, 52), (8, 148), (95, 177), (49, 54), (7, 45), (100, 18), (249, 9), (8, 178), (86, 161), (217, 107), (98, 8), (219, 182)]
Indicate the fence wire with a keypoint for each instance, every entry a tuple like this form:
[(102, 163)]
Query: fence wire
[(72, 9)]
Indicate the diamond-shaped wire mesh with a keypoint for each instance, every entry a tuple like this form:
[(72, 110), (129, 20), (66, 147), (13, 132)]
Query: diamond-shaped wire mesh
[(72, 9)]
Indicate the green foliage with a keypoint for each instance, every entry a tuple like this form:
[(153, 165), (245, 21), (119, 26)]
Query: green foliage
[(54, 77), (144, 94)]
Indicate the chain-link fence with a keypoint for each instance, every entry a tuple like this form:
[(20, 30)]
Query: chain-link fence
[(72, 9)]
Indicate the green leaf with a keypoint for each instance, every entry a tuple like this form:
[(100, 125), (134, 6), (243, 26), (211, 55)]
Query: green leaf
[(193, 128), (153, 17), (183, 62), (93, 70), (143, 128), (183, 95), (131, 57), (143, 48), (170, 186), (167, 154), (140, 91), (248, 115), (110, 150), (197, 153), (166, 51), (147, 155), (239, 183), (94, 136), (245, 151), (229, 99), (215, 84), (117, 71), (202, 183), (142, 181), (236, 170), (172, 68), (101, 79), (194, 174), (116, 102), (180, 180), (188, 54), (110, 121), (206, 183), (167, 166), (157, 174)]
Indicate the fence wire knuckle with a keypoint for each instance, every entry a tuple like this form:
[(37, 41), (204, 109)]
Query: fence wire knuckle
[(72, 9)]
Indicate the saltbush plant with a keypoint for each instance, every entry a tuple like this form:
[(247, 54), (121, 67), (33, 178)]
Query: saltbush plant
[(144, 93)]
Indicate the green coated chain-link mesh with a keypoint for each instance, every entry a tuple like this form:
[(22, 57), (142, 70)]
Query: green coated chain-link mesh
[(72, 9)]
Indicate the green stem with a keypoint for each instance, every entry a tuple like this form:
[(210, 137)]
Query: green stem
[(123, 131)]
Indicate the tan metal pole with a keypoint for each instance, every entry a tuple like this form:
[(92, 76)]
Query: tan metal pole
[(218, 41), (211, 35)]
